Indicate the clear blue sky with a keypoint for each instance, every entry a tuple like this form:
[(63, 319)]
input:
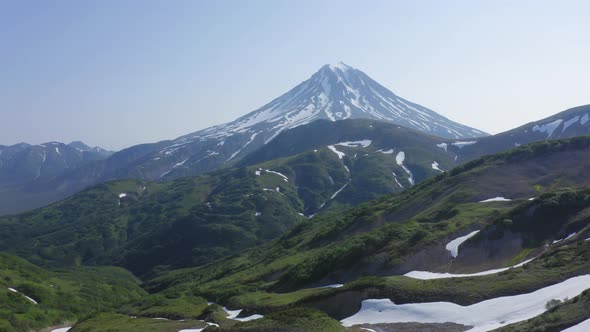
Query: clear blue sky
[(116, 73)]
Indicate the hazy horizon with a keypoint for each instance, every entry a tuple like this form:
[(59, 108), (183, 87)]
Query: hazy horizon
[(117, 74)]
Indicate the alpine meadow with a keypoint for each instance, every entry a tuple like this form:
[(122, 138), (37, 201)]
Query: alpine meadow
[(143, 187)]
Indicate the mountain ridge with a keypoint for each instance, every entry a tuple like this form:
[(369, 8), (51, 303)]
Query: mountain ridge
[(332, 93)]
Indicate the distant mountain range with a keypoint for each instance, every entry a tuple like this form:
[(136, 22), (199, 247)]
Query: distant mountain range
[(333, 93), (335, 207), (22, 163), (570, 123), (521, 217), (24, 168)]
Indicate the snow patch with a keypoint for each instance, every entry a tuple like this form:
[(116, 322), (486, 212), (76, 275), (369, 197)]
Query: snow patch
[(442, 146), (390, 151), (244, 146), (399, 159), (548, 128), (396, 181), (285, 178), (233, 314), (461, 144), (356, 144), (483, 316), (570, 122), (332, 286), (62, 329), (435, 167), (338, 153), (338, 191), (26, 297), (582, 327), (496, 199), (566, 238), (425, 275), (453, 246)]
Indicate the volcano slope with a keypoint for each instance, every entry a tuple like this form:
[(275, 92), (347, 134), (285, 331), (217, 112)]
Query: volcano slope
[(144, 225), (526, 203)]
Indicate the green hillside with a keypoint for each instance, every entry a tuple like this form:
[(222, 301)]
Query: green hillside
[(59, 296)]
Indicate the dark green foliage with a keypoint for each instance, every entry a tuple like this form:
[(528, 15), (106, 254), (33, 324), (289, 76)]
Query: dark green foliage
[(110, 322), (63, 295), (292, 320)]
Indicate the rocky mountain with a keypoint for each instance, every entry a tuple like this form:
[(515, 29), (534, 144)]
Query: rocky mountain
[(226, 211), (96, 152), (22, 163), (24, 169), (569, 123), (504, 232), (333, 93), (501, 234)]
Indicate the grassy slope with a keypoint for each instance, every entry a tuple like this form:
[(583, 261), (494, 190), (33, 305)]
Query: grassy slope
[(152, 224), (196, 220), (63, 295), (103, 322), (379, 236)]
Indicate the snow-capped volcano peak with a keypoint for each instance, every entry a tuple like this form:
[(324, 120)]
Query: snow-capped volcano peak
[(338, 92), (340, 66), (334, 92)]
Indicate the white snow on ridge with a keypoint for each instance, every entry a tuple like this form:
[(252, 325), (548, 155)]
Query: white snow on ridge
[(399, 159), (442, 146), (338, 153), (396, 181), (332, 286), (367, 329), (121, 195), (425, 275), (244, 146), (569, 236), (233, 314), (581, 327), (26, 297), (435, 167), (390, 151), (570, 122), (62, 329), (332, 93), (548, 128), (338, 191), (356, 144), (453, 246), (496, 199), (285, 178), (462, 144), (584, 119), (483, 316)]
